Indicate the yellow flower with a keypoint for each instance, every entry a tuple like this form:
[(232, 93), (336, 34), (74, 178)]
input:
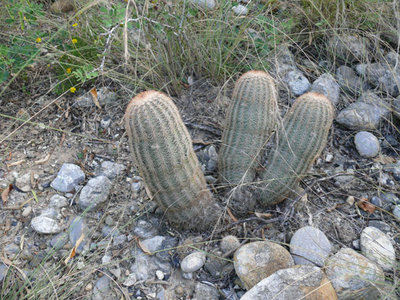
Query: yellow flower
[(24, 18), (72, 90), (74, 41), (68, 70), (38, 40), (75, 24)]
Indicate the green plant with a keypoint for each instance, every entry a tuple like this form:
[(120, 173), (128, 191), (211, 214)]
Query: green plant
[(251, 118), (301, 139), (162, 150)]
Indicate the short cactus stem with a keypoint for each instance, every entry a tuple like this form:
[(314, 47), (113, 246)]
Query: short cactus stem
[(163, 153), (300, 141), (250, 121)]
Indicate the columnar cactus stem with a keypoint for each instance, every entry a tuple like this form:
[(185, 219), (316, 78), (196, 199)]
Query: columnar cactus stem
[(250, 120), (162, 150), (301, 140)]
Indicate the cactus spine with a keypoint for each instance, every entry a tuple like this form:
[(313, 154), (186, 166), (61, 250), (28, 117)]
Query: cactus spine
[(250, 120), (162, 150), (301, 140)]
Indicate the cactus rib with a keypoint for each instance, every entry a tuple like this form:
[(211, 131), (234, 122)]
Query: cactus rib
[(301, 140), (250, 120), (162, 150)]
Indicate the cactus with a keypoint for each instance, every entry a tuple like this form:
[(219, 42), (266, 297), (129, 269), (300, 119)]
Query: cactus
[(250, 120), (301, 140), (162, 150)]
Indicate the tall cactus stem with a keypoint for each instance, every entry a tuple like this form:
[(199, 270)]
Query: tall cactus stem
[(300, 141), (162, 150)]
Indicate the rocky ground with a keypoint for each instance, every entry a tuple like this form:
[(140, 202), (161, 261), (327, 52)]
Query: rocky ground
[(76, 217)]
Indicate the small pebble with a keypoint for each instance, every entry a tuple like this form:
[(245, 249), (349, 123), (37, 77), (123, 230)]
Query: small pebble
[(89, 287), (240, 10), (229, 243), (193, 262), (329, 158), (26, 212), (367, 144), (160, 274), (350, 200)]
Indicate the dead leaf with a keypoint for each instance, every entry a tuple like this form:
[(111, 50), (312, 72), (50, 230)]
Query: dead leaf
[(384, 159), (73, 250), (365, 205), (95, 98), (263, 215), (234, 219), (5, 193), (143, 247), (9, 156)]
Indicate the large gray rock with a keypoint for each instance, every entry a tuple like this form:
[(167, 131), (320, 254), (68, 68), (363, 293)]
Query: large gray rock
[(377, 246), (68, 178), (310, 246), (298, 282), (94, 192), (353, 276), (297, 82), (367, 144), (111, 169), (257, 260), (327, 85), (205, 292), (365, 114), (349, 81), (349, 48), (383, 76)]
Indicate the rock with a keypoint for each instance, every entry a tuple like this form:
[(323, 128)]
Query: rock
[(105, 122), (380, 203), (59, 240), (382, 226), (50, 213), (62, 6), (58, 201), (390, 198), (68, 178), (396, 107), (257, 260), (353, 276), (3, 271), (327, 85), (240, 10), (360, 116), (119, 240), (145, 229), (193, 262), (393, 58), (349, 48), (208, 4), (167, 249), (371, 98), (349, 81), (229, 243), (203, 291), (111, 169), (160, 275), (298, 282), (94, 192), (208, 158), (11, 250), (77, 229), (283, 61), (396, 211), (297, 82), (106, 96), (130, 280), (45, 225), (145, 266), (217, 266), (376, 246), (27, 211), (102, 289), (310, 246), (367, 144), (383, 76)]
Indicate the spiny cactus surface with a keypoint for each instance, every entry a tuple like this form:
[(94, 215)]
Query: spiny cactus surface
[(162, 150), (300, 141), (250, 120)]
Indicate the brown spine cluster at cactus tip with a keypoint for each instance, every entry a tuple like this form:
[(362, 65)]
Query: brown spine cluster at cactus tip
[(162, 150)]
